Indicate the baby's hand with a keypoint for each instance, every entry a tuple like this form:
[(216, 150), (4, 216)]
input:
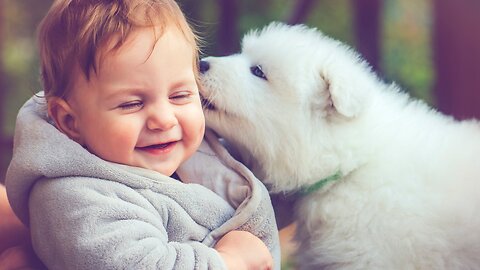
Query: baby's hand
[(244, 251)]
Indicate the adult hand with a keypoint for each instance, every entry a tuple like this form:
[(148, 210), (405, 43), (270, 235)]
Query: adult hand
[(19, 257), (15, 246)]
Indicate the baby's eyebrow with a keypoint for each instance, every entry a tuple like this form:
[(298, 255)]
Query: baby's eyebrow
[(115, 93), (183, 82), (184, 78)]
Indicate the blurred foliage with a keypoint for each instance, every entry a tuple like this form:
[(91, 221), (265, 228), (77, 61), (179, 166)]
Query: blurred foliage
[(407, 46), (19, 55)]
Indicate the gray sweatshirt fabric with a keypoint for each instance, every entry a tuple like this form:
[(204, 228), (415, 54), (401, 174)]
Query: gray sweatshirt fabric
[(87, 213)]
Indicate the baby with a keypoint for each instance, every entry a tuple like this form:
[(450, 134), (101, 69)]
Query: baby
[(120, 114)]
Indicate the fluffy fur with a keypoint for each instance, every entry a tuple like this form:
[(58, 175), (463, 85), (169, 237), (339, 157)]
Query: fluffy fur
[(409, 197)]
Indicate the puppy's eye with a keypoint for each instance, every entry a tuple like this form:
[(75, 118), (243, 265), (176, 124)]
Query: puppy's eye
[(257, 71)]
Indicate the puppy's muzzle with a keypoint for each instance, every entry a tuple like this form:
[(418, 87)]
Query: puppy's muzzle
[(204, 66)]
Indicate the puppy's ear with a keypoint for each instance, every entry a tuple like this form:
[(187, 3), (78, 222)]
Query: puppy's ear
[(346, 92)]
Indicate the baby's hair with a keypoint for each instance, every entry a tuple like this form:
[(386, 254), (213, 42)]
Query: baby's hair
[(74, 33)]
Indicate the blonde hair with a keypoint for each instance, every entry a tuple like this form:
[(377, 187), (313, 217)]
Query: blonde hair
[(74, 32)]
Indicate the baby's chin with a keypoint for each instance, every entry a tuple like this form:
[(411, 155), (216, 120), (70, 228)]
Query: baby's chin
[(167, 170)]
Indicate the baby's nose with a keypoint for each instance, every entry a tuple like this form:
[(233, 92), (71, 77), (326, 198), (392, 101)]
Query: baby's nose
[(163, 118), (204, 66)]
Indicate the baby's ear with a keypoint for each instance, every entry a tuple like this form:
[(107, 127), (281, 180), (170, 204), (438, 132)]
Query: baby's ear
[(64, 117)]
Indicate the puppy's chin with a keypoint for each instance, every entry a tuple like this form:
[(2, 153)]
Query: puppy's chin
[(207, 104), (211, 108), (219, 112)]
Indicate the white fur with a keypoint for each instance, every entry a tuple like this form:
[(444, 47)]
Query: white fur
[(410, 195)]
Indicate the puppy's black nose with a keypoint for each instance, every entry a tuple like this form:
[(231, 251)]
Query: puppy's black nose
[(204, 66)]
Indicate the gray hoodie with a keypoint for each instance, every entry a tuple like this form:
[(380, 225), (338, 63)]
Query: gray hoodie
[(87, 213)]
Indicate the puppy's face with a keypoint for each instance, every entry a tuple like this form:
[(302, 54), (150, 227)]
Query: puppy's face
[(271, 100)]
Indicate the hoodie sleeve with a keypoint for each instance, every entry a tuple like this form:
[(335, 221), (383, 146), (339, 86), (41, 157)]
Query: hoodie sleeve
[(96, 224)]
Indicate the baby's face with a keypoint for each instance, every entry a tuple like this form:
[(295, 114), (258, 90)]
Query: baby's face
[(142, 108)]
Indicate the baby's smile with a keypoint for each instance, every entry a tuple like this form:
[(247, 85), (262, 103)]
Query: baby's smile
[(161, 148)]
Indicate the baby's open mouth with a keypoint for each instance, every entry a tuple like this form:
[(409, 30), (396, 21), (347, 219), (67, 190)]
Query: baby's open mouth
[(156, 146)]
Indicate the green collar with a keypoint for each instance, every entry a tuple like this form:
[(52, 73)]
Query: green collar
[(321, 183)]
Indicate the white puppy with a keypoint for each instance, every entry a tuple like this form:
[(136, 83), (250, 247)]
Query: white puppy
[(386, 182)]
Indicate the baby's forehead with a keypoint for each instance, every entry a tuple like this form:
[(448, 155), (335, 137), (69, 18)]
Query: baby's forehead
[(139, 44)]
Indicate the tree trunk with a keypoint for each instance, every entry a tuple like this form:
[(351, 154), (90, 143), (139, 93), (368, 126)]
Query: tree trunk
[(300, 11), (228, 36), (457, 56), (367, 27)]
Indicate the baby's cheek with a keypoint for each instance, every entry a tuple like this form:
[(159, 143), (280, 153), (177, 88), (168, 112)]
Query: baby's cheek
[(126, 138), (121, 141)]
